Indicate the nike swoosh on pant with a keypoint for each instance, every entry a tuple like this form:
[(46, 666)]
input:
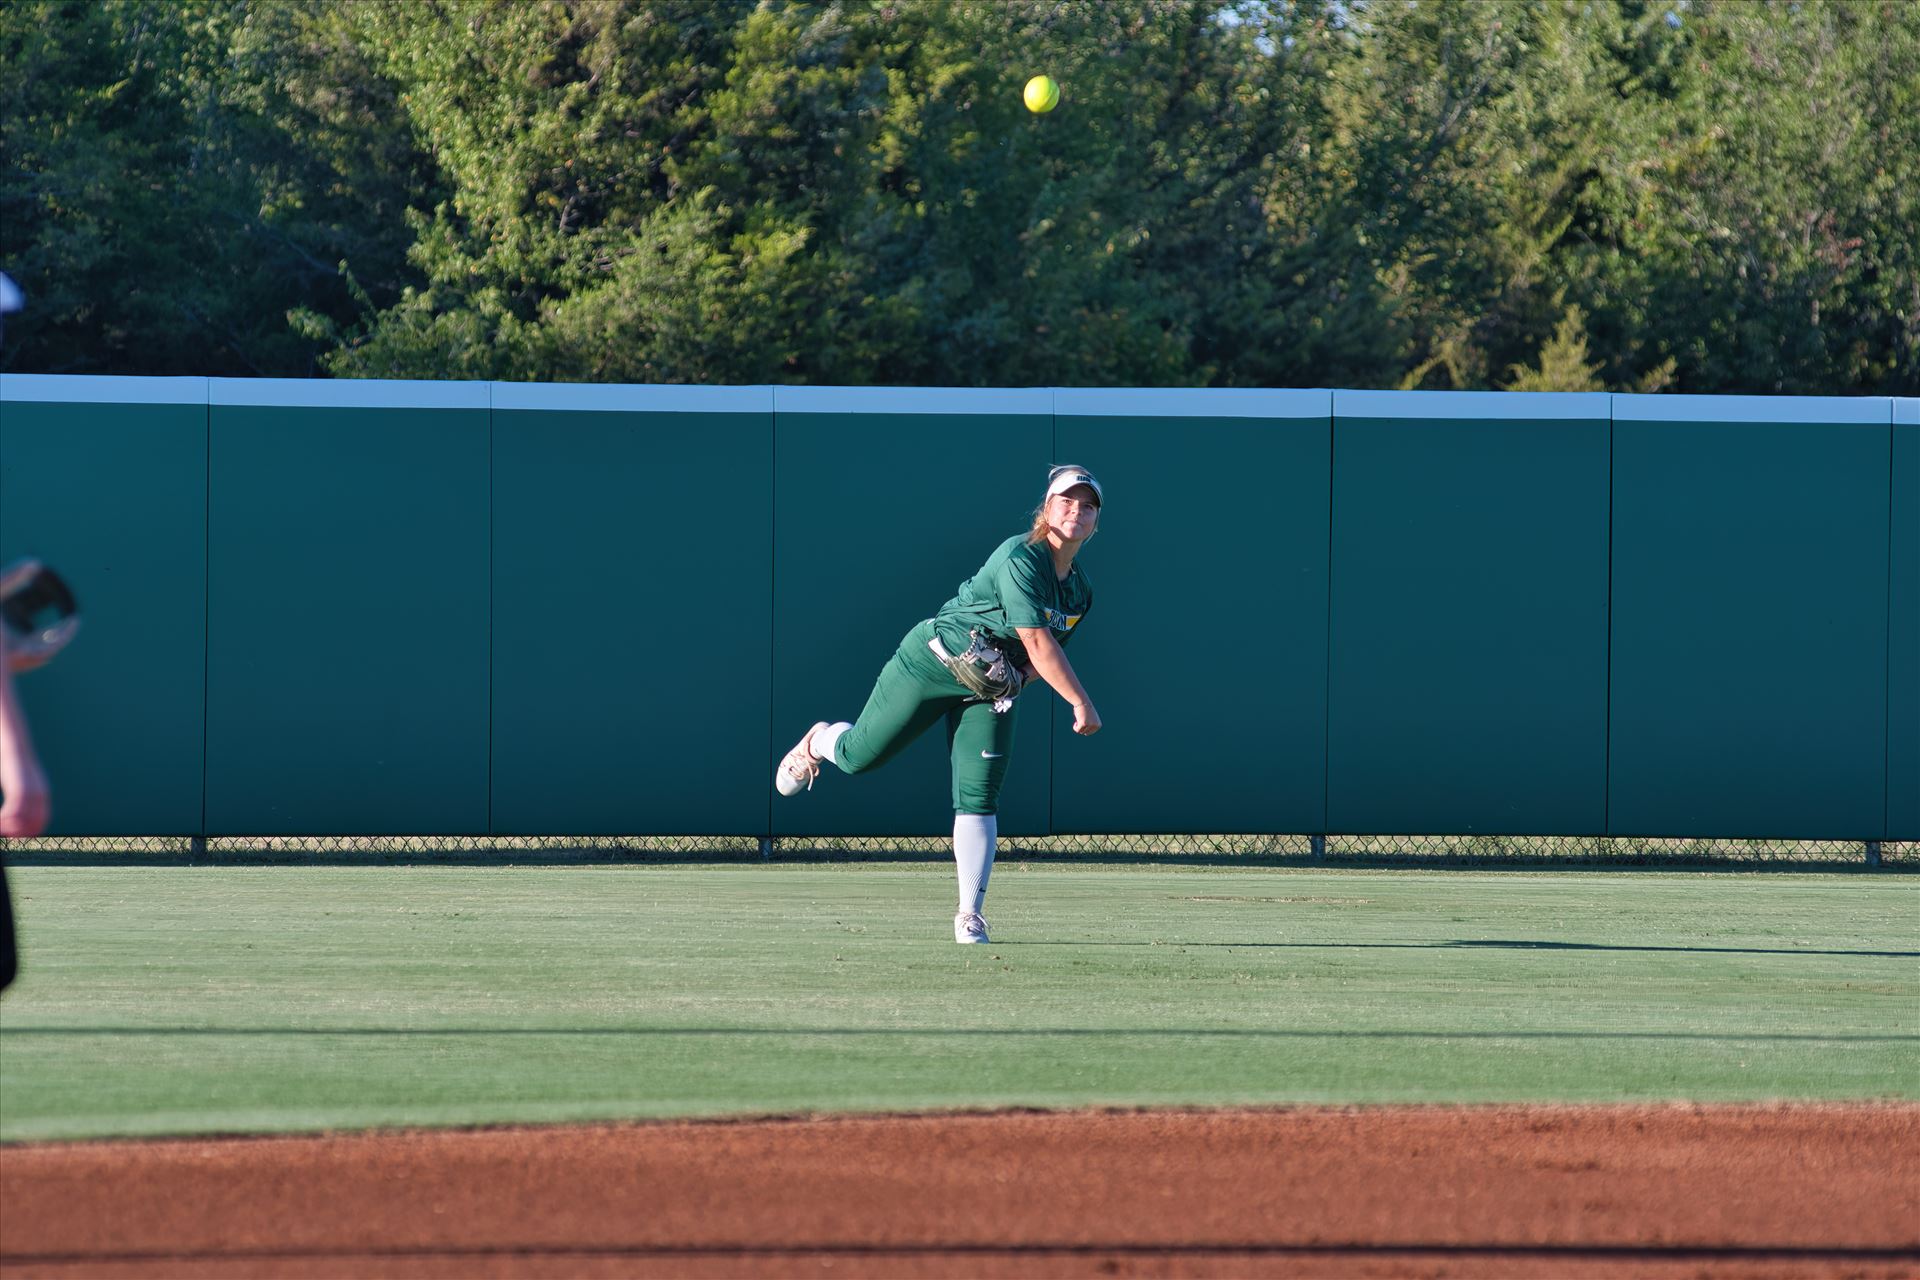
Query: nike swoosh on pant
[(992, 755)]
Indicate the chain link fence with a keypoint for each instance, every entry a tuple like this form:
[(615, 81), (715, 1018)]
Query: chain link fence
[(1172, 850)]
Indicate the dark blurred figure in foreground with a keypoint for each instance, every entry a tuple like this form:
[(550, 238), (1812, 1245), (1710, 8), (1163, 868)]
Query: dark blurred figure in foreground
[(25, 802)]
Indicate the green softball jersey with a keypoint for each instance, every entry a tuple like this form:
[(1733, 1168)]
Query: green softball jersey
[(1016, 587)]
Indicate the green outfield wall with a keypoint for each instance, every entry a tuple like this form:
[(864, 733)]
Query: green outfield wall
[(632, 608), (1208, 639), (347, 608), (1750, 616), (108, 482), (1467, 679), (388, 608), (1903, 626)]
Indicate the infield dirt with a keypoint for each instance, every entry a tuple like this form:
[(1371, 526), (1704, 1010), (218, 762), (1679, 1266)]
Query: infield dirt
[(1656, 1191)]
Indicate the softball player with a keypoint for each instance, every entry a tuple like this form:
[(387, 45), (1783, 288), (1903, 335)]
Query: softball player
[(966, 665)]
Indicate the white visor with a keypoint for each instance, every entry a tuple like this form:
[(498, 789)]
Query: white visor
[(1064, 478)]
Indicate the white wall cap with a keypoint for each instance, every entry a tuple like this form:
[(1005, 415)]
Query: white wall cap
[(1191, 402), (347, 393), (65, 388), (590, 397), (1906, 409), (911, 400), (1809, 409), (1481, 405)]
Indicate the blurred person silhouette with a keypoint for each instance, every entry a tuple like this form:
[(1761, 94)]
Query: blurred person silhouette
[(37, 618), (25, 802)]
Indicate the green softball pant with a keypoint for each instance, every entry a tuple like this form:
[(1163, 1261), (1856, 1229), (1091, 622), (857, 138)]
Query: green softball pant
[(913, 692)]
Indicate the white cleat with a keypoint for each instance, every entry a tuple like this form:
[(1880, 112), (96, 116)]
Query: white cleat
[(800, 767), (969, 927)]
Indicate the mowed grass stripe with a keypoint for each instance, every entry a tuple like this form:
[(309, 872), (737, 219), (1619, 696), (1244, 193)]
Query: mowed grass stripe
[(228, 999)]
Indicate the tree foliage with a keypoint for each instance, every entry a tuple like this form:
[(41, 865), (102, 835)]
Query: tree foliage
[(1703, 195)]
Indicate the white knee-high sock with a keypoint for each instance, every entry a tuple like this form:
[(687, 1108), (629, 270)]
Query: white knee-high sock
[(827, 739), (974, 835)]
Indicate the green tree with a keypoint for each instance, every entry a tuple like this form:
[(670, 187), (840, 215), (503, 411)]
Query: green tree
[(1563, 364), (808, 192), (1702, 194), (179, 176), (1779, 220), (557, 128)]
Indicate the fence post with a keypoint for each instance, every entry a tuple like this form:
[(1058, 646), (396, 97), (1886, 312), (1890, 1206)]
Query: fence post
[(1873, 853), (197, 846), (766, 848), (1319, 847)]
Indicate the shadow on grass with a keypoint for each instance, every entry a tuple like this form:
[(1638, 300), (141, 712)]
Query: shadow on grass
[(495, 861), (1515, 944), (1734, 951), (1002, 1033), (588, 856)]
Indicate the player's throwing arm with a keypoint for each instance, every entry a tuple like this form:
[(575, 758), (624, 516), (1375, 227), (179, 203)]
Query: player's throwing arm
[(1008, 624), (1050, 662)]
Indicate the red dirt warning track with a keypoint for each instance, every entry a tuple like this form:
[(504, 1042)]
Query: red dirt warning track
[(1660, 1191)]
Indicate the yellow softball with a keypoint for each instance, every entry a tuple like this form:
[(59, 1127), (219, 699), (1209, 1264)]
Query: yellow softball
[(1041, 94)]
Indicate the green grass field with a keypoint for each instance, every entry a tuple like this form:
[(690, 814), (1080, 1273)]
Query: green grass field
[(172, 1000)]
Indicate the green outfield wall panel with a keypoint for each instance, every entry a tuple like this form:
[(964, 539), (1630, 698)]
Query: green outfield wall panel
[(324, 607), (1468, 639), (632, 609), (1903, 629), (347, 688), (1750, 617), (1206, 649), (106, 480), (886, 500)]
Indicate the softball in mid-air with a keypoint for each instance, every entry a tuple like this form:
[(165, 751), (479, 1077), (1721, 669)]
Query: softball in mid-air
[(1041, 95)]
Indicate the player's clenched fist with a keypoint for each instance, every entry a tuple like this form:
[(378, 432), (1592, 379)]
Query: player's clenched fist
[(1086, 719)]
